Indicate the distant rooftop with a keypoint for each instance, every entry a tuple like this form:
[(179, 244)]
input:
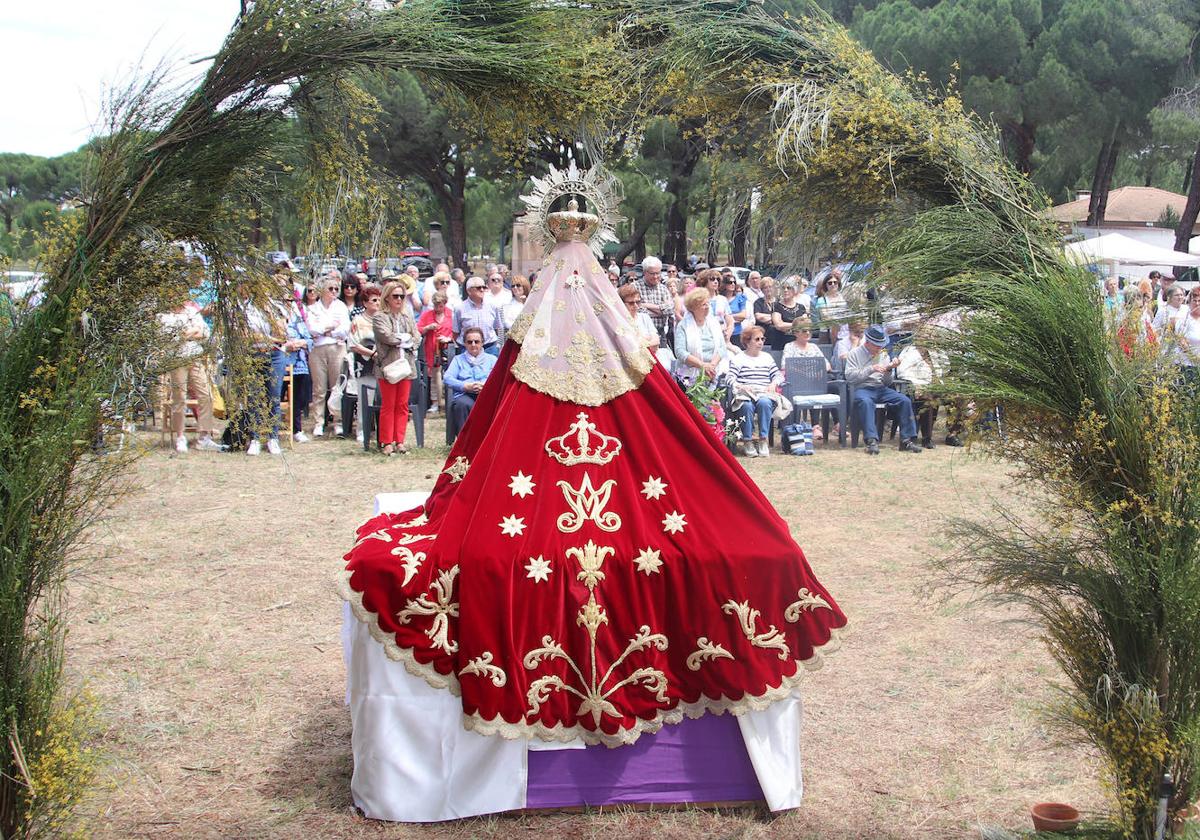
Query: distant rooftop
[(1134, 206)]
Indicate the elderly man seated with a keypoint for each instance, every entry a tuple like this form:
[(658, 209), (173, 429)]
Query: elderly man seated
[(466, 375), (870, 373)]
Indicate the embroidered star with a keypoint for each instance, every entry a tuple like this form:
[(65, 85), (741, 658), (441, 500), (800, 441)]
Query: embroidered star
[(674, 523), (648, 561), (512, 526), (521, 485), (538, 568), (653, 488)]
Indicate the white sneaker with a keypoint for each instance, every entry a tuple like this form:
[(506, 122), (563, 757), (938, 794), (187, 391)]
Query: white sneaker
[(254, 448), (300, 437), (207, 444), (748, 449), (181, 444), (337, 430), (359, 437), (433, 409), (319, 430), (763, 450), (273, 447)]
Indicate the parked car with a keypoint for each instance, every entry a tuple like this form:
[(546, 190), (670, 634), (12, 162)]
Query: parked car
[(274, 257), (424, 265)]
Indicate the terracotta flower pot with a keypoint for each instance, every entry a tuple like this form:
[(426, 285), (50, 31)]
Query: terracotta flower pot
[(1054, 816)]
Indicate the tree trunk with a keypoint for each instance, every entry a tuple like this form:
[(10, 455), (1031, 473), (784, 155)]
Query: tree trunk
[(1187, 221), (710, 250), (638, 240), (1106, 162), (451, 193), (675, 241), (1022, 138), (741, 233)]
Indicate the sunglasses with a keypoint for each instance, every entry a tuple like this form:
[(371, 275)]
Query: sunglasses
[(474, 341), (332, 288), (396, 295)]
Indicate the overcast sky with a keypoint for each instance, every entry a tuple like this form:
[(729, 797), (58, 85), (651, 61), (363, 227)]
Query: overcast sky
[(59, 57)]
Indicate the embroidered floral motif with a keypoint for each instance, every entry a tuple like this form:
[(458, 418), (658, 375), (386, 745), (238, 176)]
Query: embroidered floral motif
[(421, 519), (410, 562), (590, 377), (560, 306), (592, 693), (588, 503), (481, 666), (538, 569), (748, 619), (382, 536), (598, 307), (580, 317), (552, 351), (808, 601), (458, 469), (705, 652), (521, 485), (442, 609), (653, 487), (409, 539), (591, 558)]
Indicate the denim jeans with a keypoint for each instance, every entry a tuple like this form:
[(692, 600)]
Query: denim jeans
[(272, 370), (762, 409), (864, 403)]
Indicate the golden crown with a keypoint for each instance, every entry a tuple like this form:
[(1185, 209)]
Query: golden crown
[(583, 444)]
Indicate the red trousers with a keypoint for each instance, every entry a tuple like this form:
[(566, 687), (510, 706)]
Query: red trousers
[(393, 411)]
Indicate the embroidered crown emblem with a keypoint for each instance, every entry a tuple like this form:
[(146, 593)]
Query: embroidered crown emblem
[(583, 444)]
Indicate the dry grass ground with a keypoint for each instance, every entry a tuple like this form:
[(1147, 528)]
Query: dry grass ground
[(208, 625)]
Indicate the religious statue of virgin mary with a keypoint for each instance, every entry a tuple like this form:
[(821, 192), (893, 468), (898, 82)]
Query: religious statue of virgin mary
[(592, 563)]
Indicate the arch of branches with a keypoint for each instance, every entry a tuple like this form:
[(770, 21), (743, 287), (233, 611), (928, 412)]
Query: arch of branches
[(1111, 571)]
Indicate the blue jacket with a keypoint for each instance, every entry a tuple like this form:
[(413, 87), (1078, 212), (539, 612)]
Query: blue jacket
[(461, 371), (297, 328)]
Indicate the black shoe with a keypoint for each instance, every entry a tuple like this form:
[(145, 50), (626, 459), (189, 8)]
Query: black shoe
[(927, 443), (872, 447), (952, 440), (910, 445)]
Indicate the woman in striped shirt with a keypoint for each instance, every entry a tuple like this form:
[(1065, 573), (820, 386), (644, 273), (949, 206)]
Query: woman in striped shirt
[(756, 382)]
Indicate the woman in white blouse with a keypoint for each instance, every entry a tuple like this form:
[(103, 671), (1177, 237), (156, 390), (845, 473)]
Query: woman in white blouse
[(699, 337)]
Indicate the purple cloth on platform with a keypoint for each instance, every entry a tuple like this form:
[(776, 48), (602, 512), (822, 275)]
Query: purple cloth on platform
[(700, 760)]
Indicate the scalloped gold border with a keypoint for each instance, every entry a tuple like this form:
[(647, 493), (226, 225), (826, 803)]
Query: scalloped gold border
[(565, 734)]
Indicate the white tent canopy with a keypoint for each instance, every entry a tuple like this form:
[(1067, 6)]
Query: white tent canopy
[(1118, 248)]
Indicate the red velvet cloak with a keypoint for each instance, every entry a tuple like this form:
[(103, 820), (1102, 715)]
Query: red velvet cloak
[(680, 591)]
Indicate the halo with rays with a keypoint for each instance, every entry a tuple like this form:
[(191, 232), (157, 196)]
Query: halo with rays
[(596, 186)]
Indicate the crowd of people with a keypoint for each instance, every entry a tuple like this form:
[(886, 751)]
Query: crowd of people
[(343, 330), (382, 331)]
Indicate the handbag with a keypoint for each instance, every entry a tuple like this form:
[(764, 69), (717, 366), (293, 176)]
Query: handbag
[(395, 371), (335, 395), (783, 408)]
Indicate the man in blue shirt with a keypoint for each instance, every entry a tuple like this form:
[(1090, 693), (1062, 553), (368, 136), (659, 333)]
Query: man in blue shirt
[(466, 375), (477, 312)]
